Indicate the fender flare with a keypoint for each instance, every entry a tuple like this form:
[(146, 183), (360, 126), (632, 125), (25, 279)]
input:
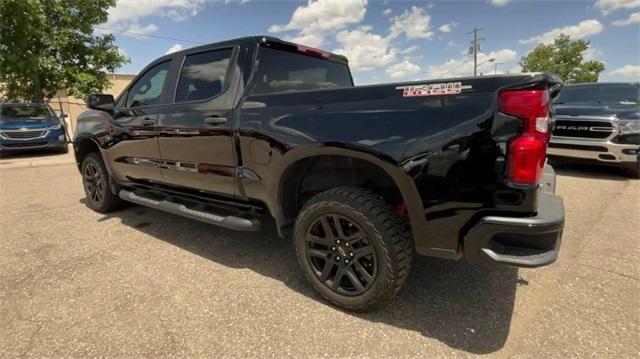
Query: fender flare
[(396, 173)]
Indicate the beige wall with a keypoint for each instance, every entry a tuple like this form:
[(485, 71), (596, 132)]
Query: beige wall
[(74, 106)]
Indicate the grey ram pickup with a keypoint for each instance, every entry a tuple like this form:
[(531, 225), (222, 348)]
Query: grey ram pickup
[(598, 123)]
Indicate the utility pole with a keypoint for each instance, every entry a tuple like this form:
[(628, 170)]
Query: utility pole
[(475, 47)]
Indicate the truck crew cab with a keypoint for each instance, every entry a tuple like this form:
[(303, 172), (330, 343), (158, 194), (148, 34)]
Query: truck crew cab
[(362, 177)]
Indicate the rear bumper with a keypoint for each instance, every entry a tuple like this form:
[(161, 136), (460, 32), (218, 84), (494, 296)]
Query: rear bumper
[(600, 151), (520, 242)]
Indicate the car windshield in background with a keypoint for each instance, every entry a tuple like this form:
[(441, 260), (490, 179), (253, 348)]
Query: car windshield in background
[(24, 112), (622, 94)]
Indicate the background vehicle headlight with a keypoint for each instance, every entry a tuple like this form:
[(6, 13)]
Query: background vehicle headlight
[(629, 126), (54, 127)]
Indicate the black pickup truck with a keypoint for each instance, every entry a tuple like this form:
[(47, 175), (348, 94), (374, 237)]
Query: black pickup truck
[(361, 177)]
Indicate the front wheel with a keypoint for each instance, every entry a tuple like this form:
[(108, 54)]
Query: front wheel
[(353, 249), (95, 180)]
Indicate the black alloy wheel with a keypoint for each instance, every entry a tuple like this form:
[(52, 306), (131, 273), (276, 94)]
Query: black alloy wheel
[(354, 250), (93, 183), (95, 179), (341, 255)]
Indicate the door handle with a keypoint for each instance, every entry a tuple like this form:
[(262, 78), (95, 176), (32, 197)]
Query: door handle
[(215, 120)]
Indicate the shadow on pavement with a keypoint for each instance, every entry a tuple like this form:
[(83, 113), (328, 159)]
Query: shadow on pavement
[(465, 306)]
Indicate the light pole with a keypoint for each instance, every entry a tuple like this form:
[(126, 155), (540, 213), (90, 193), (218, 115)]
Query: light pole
[(484, 62)]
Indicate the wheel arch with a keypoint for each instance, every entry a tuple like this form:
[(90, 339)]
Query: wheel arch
[(82, 146), (323, 162)]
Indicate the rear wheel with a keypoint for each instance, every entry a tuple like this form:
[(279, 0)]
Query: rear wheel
[(353, 249), (95, 180)]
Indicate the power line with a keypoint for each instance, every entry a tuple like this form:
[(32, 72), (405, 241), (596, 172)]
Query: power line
[(455, 68), (148, 35), (475, 48)]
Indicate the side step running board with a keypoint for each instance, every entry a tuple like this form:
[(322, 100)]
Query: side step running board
[(231, 222)]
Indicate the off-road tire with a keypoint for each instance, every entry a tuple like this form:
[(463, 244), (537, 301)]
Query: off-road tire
[(104, 200), (387, 233)]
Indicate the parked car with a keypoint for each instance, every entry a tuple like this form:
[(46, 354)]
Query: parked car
[(598, 123), (30, 126), (362, 177)]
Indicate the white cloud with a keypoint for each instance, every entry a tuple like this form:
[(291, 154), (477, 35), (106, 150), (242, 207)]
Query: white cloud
[(582, 30), (627, 72), (138, 31), (127, 15), (633, 19), (408, 50), (364, 49), (499, 2), (312, 23), (174, 48), (403, 70), (452, 43), (514, 70), (131, 11), (448, 27), (314, 20), (609, 6), (591, 54), (431, 6), (313, 40), (464, 66), (414, 23), (123, 53)]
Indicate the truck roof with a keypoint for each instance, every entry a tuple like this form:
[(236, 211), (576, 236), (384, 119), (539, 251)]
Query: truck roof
[(259, 39)]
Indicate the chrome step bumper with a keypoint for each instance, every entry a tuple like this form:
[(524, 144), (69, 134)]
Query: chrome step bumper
[(603, 151)]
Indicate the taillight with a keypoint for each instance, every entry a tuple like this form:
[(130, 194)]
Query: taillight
[(527, 152)]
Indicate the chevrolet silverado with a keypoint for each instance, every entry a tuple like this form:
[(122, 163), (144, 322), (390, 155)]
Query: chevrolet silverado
[(360, 177)]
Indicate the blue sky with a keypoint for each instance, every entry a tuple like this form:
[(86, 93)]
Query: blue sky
[(388, 41)]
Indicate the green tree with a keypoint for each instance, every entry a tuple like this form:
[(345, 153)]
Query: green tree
[(564, 58), (50, 45)]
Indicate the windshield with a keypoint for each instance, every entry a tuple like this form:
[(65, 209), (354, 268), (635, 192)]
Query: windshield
[(19, 112), (623, 94)]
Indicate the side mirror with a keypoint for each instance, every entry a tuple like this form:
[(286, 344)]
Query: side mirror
[(101, 102)]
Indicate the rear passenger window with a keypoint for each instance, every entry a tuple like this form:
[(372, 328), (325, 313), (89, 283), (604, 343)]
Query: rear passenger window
[(284, 71), (203, 75)]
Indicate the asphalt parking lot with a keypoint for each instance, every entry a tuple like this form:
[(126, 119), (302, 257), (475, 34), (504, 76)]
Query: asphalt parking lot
[(140, 282)]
